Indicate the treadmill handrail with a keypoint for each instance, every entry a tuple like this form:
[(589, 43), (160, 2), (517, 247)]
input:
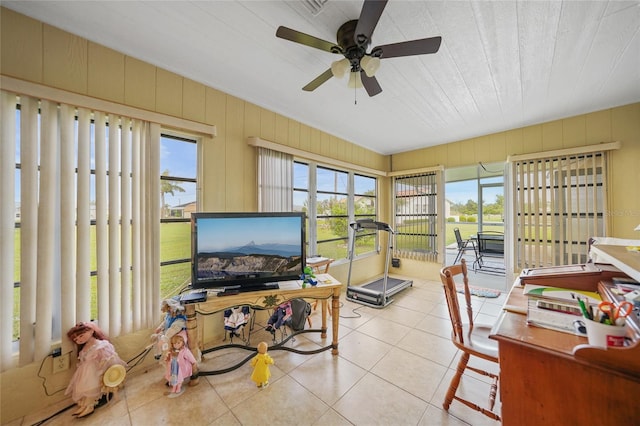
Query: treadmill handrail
[(370, 224)]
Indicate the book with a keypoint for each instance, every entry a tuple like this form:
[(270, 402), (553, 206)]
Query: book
[(560, 294), (555, 316), (557, 308)]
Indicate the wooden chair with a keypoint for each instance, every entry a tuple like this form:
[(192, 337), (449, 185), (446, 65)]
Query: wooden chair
[(472, 339), (316, 265)]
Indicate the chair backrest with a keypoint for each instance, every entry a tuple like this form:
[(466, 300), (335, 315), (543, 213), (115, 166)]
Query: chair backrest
[(491, 243), (459, 240), (300, 310), (447, 275)]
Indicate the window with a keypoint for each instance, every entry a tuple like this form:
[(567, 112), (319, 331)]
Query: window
[(96, 208), (333, 199), (178, 183), (416, 216)]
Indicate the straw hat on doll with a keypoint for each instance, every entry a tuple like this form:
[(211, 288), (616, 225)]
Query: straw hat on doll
[(114, 376)]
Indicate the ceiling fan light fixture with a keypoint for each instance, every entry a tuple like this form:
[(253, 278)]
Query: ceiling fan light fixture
[(370, 65), (340, 68), (355, 81)]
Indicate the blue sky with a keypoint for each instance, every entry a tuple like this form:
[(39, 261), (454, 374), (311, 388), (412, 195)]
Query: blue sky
[(463, 191), (221, 233)]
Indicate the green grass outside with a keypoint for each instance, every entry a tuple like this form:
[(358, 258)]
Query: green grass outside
[(175, 243), (467, 230)]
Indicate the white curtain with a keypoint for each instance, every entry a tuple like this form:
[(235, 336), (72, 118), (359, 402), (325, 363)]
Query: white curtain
[(275, 181), (7, 224), (559, 202), (63, 188)]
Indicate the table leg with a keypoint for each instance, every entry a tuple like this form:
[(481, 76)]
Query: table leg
[(323, 306), (192, 331), (335, 318)]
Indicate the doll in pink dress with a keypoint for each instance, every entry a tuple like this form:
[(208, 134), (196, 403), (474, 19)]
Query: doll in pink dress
[(174, 322), (180, 364), (95, 355)]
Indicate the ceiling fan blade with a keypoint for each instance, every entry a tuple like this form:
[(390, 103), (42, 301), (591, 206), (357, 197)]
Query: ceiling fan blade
[(307, 40), (369, 17), (370, 84), (409, 48), (318, 81)]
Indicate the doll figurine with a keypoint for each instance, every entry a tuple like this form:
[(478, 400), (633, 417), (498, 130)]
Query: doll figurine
[(260, 364), (236, 320), (279, 316), (174, 322), (95, 355), (180, 364)]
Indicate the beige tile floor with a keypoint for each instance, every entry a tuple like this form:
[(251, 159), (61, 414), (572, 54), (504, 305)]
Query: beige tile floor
[(393, 368)]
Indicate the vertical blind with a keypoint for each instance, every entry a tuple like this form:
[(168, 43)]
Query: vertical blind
[(68, 172), (416, 216), (559, 202)]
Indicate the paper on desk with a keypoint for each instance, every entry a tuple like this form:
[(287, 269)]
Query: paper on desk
[(566, 294)]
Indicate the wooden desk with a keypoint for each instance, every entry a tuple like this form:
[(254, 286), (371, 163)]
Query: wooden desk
[(327, 288), (543, 382)]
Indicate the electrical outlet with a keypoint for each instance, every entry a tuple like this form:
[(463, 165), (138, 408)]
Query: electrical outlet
[(60, 363)]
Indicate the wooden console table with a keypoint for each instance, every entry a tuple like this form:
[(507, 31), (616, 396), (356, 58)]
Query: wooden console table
[(542, 381), (327, 288)]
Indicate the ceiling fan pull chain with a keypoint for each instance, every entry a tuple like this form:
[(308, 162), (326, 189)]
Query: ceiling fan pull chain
[(355, 96)]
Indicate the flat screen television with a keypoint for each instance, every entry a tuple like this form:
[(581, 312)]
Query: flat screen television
[(246, 251)]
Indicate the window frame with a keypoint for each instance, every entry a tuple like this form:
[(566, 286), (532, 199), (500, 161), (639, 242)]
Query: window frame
[(435, 219), (312, 192), (186, 138)]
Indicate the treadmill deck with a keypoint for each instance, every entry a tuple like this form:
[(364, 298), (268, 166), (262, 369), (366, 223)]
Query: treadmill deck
[(371, 294)]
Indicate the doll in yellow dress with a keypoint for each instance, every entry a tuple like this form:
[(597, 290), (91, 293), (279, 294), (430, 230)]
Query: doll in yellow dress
[(260, 364)]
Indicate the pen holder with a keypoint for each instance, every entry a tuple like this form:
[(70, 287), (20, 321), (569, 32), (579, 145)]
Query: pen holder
[(604, 335)]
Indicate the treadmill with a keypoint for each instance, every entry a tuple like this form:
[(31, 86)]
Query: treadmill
[(376, 294)]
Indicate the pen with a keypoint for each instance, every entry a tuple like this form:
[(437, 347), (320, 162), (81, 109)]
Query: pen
[(583, 308)]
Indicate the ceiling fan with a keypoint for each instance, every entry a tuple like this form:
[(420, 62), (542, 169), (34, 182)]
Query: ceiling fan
[(353, 40)]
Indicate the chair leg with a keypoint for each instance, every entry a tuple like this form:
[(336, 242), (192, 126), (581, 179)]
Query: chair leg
[(458, 256), (455, 380)]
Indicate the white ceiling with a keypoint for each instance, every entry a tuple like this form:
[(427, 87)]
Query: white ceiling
[(501, 65)]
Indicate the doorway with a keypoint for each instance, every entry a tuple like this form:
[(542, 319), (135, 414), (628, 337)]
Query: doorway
[(474, 202)]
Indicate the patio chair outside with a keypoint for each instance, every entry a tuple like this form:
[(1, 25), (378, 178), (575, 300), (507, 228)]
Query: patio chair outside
[(463, 246)]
